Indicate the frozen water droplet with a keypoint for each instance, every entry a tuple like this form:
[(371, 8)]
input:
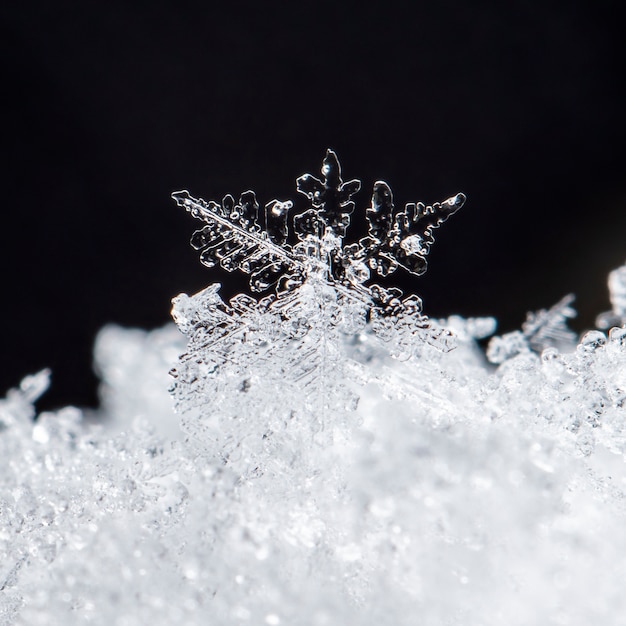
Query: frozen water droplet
[(618, 336), (276, 214), (592, 341)]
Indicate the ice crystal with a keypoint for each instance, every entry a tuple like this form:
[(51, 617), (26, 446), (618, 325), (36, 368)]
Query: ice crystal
[(234, 239), (286, 351), (543, 329)]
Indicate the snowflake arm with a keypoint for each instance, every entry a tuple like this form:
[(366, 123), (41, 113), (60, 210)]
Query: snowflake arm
[(330, 198), (405, 240), (542, 329), (232, 237)]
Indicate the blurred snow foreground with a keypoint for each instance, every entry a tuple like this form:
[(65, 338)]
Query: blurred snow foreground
[(340, 458)]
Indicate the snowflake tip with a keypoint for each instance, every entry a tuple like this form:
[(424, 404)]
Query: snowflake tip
[(182, 197), (457, 201), (331, 169)]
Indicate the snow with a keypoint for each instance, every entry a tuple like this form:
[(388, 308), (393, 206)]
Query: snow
[(330, 455)]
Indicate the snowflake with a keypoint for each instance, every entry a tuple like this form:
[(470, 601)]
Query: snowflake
[(320, 291), (543, 329), (234, 239)]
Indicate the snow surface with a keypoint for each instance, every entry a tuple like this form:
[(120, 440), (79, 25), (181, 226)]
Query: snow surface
[(453, 493), (330, 456)]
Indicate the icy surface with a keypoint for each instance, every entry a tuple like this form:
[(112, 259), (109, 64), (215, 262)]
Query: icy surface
[(335, 465)]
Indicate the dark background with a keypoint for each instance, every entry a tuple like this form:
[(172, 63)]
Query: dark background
[(111, 106)]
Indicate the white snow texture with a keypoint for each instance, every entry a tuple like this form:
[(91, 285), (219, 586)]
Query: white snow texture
[(339, 461)]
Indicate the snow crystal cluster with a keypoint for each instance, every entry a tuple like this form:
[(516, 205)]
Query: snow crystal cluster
[(335, 456)]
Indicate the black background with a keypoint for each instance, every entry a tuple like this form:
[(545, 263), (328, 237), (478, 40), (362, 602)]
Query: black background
[(111, 106)]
